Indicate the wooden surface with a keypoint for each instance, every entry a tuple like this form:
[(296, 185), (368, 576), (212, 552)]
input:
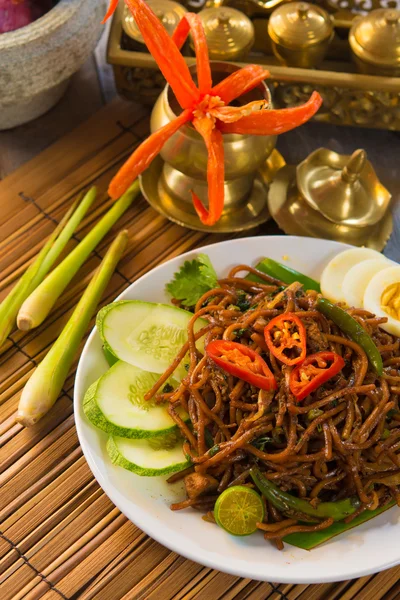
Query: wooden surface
[(60, 535)]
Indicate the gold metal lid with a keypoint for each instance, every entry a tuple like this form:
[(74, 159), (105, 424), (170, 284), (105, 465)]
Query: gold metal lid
[(375, 38), (344, 189), (229, 33), (169, 13), (298, 25)]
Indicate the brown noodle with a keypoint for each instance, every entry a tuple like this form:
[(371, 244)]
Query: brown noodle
[(347, 449)]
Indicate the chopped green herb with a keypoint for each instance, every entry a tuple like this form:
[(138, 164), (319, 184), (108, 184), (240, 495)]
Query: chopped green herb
[(385, 434), (334, 403), (314, 413), (319, 427), (262, 441), (194, 278), (233, 307), (167, 388), (243, 305), (186, 366), (240, 332), (212, 451)]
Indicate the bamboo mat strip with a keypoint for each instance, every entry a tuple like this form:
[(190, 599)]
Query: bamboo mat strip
[(60, 535)]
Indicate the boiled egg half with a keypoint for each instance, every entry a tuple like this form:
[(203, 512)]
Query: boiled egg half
[(382, 297), (335, 272), (358, 277)]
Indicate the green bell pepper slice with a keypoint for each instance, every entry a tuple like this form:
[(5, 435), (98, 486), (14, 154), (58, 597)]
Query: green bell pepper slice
[(293, 506), (311, 539), (353, 329)]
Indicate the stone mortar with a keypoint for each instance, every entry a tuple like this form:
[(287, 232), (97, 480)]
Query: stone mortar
[(37, 61)]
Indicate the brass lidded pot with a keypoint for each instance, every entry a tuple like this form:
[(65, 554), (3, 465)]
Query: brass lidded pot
[(375, 42), (300, 33), (229, 33), (344, 189), (186, 156), (332, 196), (169, 13)]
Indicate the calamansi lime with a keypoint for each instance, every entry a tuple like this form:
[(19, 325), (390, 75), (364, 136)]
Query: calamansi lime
[(238, 509)]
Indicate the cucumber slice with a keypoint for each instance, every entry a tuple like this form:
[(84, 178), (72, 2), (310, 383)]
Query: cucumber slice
[(158, 456), (115, 404), (145, 334), (109, 356)]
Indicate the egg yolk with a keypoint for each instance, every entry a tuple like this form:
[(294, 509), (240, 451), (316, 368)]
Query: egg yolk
[(390, 300)]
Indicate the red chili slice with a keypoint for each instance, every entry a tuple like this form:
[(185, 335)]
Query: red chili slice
[(286, 338), (313, 372), (242, 362)]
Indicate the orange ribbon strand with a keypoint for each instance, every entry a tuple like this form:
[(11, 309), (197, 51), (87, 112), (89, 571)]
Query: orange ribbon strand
[(240, 82), (165, 52), (144, 155), (192, 22), (215, 172), (273, 122)]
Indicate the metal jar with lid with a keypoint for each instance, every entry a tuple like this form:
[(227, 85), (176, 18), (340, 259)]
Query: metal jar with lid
[(300, 34), (169, 13), (375, 42), (229, 33)]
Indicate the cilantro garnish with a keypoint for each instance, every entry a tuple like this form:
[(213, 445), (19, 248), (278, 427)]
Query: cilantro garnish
[(194, 278)]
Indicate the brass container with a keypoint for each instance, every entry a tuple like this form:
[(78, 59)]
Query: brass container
[(186, 156), (332, 196), (229, 33), (251, 8), (344, 189), (375, 43), (169, 13), (350, 98), (300, 34)]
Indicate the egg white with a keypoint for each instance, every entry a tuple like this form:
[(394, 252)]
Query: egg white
[(373, 293), (356, 280), (335, 271)]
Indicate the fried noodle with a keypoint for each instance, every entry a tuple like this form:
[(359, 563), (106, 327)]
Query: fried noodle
[(347, 450)]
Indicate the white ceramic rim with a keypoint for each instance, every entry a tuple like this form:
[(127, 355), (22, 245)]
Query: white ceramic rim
[(155, 529)]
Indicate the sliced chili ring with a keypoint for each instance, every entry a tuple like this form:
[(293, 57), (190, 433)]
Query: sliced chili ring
[(286, 338), (313, 372), (242, 362)]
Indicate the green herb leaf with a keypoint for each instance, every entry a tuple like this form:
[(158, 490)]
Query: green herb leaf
[(214, 450), (240, 332), (194, 278), (242, 303), (314, 413), (261, 442)]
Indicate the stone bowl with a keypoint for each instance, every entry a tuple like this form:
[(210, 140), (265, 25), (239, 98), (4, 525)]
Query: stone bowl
[(37, 61)]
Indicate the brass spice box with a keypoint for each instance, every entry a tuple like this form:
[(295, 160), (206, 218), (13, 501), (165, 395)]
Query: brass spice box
[(350, 98)]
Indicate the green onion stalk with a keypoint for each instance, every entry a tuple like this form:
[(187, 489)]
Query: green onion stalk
[(38, 305), (46, 382), (37, 271)]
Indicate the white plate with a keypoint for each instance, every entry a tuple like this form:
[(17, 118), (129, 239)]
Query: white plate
[(366, 549)]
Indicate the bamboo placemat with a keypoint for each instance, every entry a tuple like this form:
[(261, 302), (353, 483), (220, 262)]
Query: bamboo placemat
[(61, 537)]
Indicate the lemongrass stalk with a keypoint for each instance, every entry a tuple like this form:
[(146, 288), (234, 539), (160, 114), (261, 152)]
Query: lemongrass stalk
[(47, 380), (66, 233), (39, 268), (38, 305)]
